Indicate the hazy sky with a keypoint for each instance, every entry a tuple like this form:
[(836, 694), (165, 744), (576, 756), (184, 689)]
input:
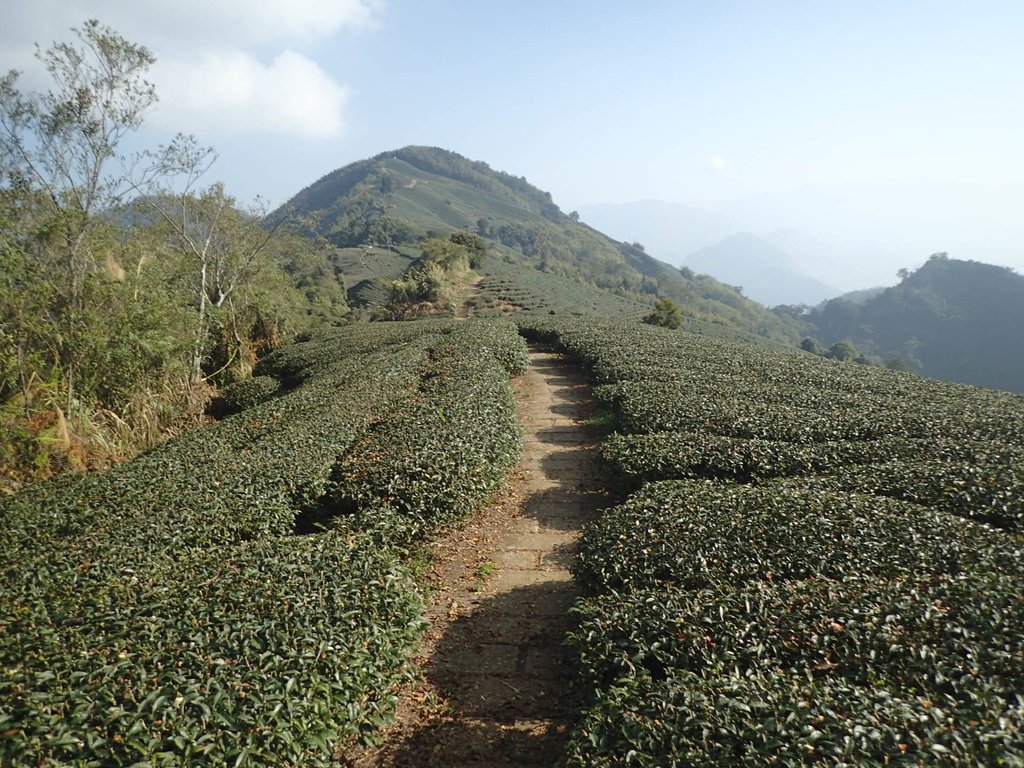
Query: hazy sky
[(599, 101)]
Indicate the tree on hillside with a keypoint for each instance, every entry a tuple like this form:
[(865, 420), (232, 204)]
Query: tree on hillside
[(795, 311), (119, 278), (475, 245), (843, 350), (427, 286), (666, 314), (57, 149), (810, 345), (389, 232), (223, 244)]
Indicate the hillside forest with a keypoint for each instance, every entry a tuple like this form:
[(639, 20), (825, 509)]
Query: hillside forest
[(951, 319), (131, 285)]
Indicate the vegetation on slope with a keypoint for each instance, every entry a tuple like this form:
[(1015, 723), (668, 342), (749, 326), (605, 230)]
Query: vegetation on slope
[(953, 319), (123, 296), (821, 564), (398, 198), (236, 596), (429, 285)]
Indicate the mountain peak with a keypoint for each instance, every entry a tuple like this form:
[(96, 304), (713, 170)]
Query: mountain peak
[(397, 199)]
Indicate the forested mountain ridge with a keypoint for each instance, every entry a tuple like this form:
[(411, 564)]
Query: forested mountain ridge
[(398, 198), (951, 319)]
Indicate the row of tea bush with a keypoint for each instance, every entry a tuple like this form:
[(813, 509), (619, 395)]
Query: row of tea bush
[(236, 596), (821, 563)]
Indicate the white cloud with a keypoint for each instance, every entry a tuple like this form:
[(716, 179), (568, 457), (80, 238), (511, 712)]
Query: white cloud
[(231, 92), (223, 66), (159, 23)]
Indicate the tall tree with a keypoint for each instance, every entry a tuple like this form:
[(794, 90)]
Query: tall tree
[(222, 244), (666, 314), (57, 149)]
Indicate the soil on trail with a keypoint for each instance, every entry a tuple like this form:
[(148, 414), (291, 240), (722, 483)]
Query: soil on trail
[(466, 307), (497, 686)]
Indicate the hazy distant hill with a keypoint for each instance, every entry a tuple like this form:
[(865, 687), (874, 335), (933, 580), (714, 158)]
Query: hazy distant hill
[(674, 231), (952, 319), (845, 266), (857, 217), (397, 198), (766, 273), (855, 297), (670, 230)]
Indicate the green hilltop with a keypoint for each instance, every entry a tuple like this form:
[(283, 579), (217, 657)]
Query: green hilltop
[(951, 319), (378, 211)]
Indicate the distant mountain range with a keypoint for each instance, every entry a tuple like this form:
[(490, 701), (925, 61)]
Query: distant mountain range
[(784, 266), (765, 272), (714, 244), (669, 230), (851, 234)]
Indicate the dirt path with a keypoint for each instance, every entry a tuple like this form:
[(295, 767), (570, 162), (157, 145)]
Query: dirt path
[(497, 686), (466, 307)]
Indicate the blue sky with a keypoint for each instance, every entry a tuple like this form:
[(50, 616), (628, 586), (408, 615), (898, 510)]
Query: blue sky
[(723, 102)]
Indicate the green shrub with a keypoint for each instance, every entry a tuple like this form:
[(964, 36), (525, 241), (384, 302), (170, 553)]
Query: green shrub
[(267, 653), (813, 588), (862, 671), (436, 461), (701, 533), (167, 613), (992, 493), (245, 394)]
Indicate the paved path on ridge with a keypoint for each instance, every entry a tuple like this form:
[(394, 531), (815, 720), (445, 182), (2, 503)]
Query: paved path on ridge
[(497, 682)]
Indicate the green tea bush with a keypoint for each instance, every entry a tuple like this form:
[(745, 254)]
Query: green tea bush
[(692, 406), (245, 394), (827, 574), (511, 288), (263, 653), (679, 455), (863, 671), (703, 533), (436, 461), (167, 613), (992, 493)]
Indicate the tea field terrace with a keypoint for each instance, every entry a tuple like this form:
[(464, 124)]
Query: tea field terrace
[(820, 563), (240, 595)]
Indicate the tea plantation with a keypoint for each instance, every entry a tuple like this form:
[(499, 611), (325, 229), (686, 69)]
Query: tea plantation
[(815, 563), (237, 596), (820, 564), (511, 288)]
